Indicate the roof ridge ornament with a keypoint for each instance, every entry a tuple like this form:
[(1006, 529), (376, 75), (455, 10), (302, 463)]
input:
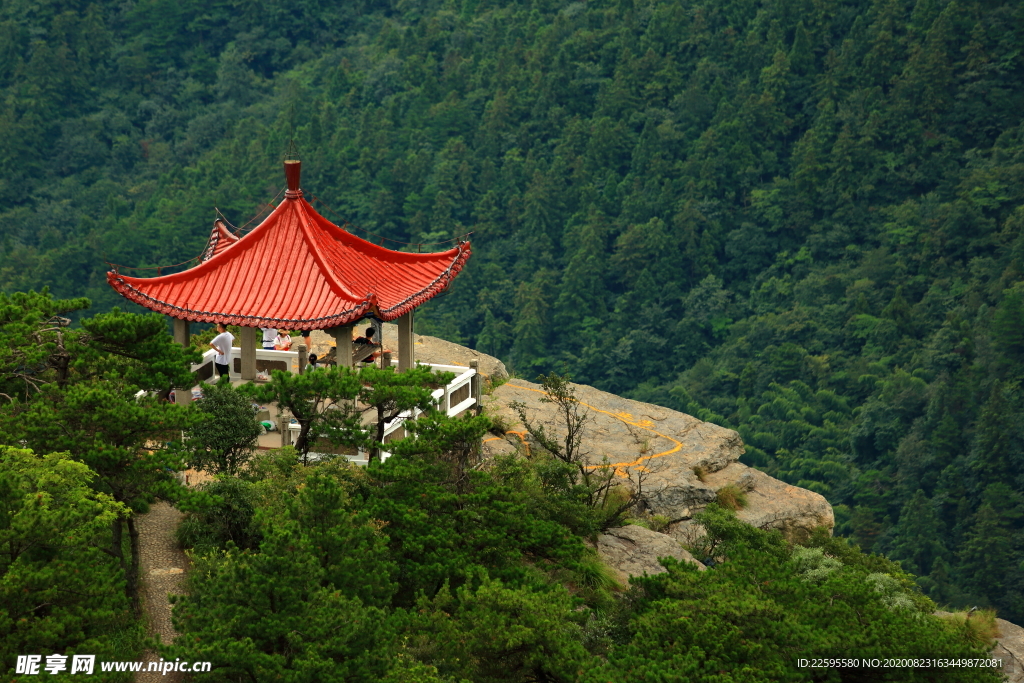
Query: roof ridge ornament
[(292, 174)]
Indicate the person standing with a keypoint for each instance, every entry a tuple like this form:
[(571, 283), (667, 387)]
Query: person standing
[(269, 334), (222, 345)]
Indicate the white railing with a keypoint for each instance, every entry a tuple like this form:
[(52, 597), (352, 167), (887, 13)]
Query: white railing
[(457, 395), (454, 398), (266, 360)]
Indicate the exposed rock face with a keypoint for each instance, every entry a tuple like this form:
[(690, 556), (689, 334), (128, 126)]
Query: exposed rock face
[(773, 504), (683, 461), (634, 551), (1010, 648), (428, 350)]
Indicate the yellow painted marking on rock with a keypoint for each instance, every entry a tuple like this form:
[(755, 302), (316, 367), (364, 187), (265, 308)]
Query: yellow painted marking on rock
[(627, 418), (521, 435)]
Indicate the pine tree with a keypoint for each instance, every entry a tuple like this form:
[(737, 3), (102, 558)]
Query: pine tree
[(899, 310), (917, 538), (495, 336), (1008, 325), (987, 557), (59, 592), (996, 450), (131, 444), (531, 322), (269, 613), (321, 402), (582, 292), (225, 433)]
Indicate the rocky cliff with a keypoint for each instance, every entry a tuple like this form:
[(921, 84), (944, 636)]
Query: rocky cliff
[(1010, 649), (684, 462)]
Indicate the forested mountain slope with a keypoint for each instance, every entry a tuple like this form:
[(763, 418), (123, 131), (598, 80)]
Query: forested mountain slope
[(802, 220)]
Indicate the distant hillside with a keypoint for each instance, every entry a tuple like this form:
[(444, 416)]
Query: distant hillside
[(799, 220)]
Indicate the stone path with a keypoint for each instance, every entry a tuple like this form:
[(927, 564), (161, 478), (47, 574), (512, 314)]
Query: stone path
[(162, 572)]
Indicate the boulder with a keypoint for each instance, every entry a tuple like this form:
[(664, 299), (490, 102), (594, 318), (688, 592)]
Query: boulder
[(680, 462), (772, 504), (634, 551), (1010, 648)]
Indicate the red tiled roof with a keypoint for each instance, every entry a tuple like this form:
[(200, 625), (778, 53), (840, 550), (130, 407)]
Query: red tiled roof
[(299, 271), (220, 239)]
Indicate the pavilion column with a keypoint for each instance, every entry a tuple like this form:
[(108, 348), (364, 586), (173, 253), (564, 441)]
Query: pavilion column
[(182, 395), (181, 332), (343, 345), (248, 343), (406, 343), (474, 385)]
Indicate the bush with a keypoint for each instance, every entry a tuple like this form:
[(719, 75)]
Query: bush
[(226, 432), (731, 497), (591, 579), (657, 523), (978, 627), (227, 516)]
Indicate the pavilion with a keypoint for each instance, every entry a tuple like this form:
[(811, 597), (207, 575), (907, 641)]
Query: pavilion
[(298, 271)]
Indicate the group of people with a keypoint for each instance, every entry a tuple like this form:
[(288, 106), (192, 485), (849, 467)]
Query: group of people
[(277, 340)]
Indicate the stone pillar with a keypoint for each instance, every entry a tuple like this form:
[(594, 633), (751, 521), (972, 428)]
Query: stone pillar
[(248, 343), (303, 358), (406, 343), (282, 423), (385, 359), (181, 332), (343, 340), (182, 395), (474, 385)]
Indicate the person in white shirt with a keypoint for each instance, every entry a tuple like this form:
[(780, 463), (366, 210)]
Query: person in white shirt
[(222, 345), (269, 334), (283, 342)]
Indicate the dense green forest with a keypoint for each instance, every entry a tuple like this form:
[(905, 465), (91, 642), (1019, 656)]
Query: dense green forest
[(799, 219)]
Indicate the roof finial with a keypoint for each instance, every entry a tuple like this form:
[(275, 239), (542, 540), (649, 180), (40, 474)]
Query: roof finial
[(292, 172)]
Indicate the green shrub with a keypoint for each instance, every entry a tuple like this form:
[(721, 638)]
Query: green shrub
[(731, 497), (225, 436), (978, 627), (226, 516)]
